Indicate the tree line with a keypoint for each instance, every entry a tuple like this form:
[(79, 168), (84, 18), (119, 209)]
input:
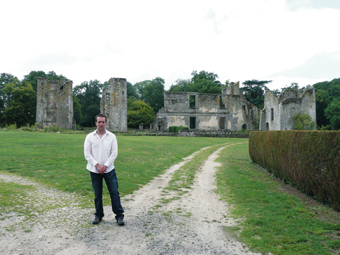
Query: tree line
[(145, 98)]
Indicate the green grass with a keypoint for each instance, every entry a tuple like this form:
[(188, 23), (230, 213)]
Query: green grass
[(182, 180), (14, 199), (272, 220), (58, 160)]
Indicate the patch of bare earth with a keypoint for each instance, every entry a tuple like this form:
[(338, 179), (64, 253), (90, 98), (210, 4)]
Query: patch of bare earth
[(192, 224)]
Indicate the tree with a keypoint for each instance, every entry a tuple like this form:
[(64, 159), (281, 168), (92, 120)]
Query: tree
[(321, 102), (78, 116), (293, 85), (5, 78), (203, 75), (332, 112), (180, 86), (88, 94), (34, 75), (151, 92), (254, 92), (139, 87), (303, 122), (205, 82), (202, 82), (325, 92), (20, 103), (139, 112), (131, 91)]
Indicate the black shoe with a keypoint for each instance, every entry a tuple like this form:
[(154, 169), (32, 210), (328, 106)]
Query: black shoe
[(120, 222), (96, 220)]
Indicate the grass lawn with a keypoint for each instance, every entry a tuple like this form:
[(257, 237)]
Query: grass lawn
[(273, 217), (58, 159)]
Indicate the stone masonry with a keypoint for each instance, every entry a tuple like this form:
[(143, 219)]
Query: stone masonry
[(114, 105), (55, 103), (278, 112), (227, 111)]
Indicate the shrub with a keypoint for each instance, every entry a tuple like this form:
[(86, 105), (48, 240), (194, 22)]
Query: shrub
[(11, 127), (309, 160), (53, 129), (175, 129), (303, 122)]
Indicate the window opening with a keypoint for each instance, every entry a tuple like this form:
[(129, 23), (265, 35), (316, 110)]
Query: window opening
[(192, 122), (222, 122), (272, 113), (222, 105), (192, 101)]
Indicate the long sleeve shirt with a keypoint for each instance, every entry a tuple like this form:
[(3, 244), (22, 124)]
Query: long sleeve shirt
[(103, 151)]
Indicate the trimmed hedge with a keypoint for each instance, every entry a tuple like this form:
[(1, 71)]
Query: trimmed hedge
[(174, 129), (309, 160)]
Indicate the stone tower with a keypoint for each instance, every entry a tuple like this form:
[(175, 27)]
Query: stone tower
[(278, 112), (114, 105), (55, 103)]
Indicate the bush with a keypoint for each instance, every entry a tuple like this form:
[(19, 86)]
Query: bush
[(175, 129), (11, 127), (309, 160), (303, 122), (53, 129)]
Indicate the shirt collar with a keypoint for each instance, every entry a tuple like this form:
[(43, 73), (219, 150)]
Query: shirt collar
[(95, 132)]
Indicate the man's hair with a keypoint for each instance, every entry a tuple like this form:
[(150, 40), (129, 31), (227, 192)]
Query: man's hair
[(101, 115)]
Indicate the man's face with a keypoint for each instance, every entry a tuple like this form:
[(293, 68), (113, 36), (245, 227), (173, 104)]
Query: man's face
[(101, 123)]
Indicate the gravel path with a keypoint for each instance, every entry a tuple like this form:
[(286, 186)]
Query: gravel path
[(193, 224)]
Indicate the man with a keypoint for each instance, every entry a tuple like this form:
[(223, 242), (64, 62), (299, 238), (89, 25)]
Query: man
[(100, 151)]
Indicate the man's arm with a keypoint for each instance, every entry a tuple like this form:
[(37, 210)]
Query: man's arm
[(113, 152), (88, 152)]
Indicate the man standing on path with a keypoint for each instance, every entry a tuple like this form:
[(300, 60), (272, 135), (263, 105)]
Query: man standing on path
[(100, 151)]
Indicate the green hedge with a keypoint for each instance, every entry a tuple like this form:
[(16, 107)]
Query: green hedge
[(174, 129), (309, 160)]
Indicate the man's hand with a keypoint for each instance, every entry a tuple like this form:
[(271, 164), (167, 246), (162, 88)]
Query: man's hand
[(101, 168)]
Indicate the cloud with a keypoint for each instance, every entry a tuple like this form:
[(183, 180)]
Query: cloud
[(316, 67), (140, 40), (315, 4)]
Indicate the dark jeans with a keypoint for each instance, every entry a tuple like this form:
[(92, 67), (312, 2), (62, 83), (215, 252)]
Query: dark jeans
[(112, 185)]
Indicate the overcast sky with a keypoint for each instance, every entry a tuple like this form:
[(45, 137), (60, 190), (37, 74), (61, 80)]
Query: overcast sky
[(281, 40)]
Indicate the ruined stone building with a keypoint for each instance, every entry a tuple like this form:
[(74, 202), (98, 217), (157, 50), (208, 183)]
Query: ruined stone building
[(55, 103), (229, 110), (278, 112), (114, 105)]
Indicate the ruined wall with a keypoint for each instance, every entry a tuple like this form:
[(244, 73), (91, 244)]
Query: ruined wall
[(55, 103), (308, 103), (208, 103), (243, 115), (114, 105), (176, 101), (208, 122), (270, 115), (278, 113), (228, 110)]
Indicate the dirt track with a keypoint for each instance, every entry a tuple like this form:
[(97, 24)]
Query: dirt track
[(190, 225)]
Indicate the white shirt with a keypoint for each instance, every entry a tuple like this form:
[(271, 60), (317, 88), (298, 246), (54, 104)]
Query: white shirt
[(103, 151)]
